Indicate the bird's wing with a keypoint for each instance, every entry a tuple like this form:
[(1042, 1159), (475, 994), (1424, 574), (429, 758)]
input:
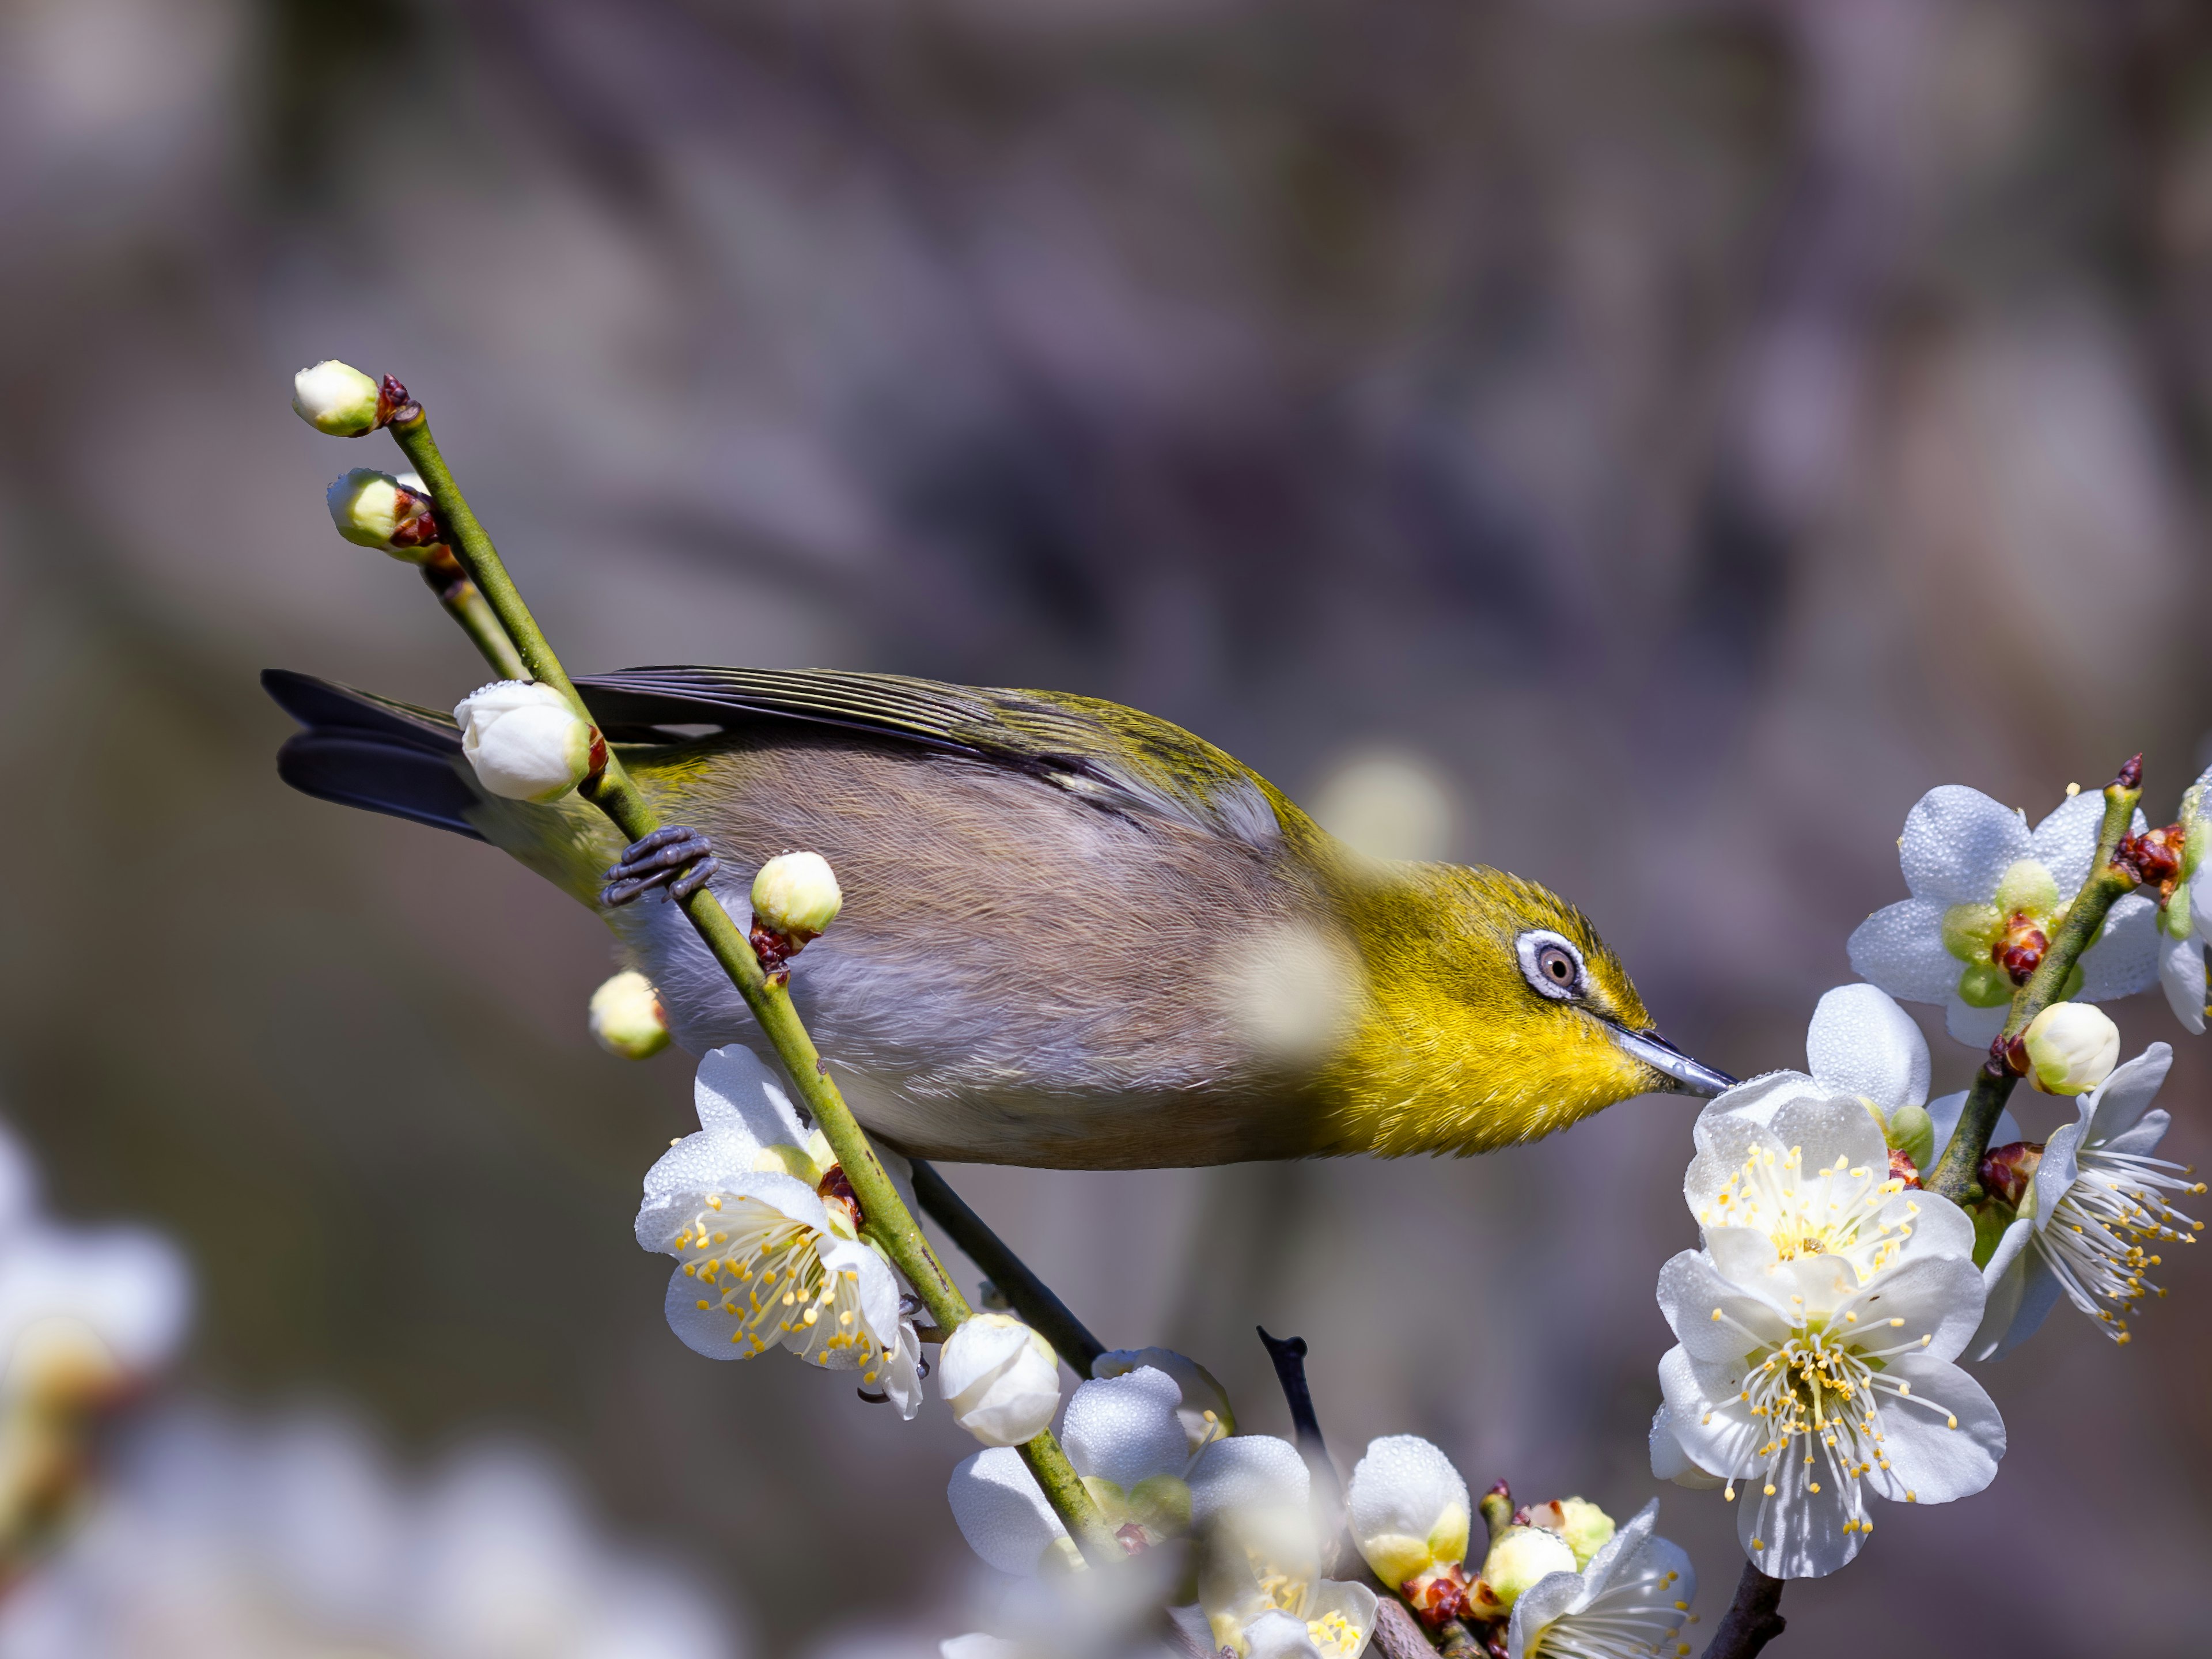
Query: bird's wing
[(1117, 758)]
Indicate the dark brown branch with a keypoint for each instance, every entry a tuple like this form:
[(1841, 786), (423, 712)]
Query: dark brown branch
[(1028, 1295), (1752, 1621), (1397, 1634)]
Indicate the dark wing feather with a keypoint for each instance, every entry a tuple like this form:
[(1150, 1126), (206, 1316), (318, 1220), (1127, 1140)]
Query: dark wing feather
[(1119, 759)]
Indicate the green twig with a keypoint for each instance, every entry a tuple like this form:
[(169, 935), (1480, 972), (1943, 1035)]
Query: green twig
[(1957, 1175), (443, 575), (1028, 1295), (612, 792)]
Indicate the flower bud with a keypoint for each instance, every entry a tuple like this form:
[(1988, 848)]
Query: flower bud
[(626, 1016), (392, 514), (796, 895), (1912, 1132), (2071, 1047), (524, 740), (1521, 1558), (1584, 1526), (336, 398), (1000, 1378)]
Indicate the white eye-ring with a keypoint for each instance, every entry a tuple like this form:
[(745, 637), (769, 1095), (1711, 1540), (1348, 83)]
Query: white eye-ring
[(1551, 964)]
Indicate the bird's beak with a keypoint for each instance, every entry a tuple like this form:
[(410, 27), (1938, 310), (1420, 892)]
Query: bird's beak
[(1684, 1076)]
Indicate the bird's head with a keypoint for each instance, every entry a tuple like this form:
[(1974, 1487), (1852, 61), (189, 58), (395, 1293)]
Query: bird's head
[(1494, 1013)]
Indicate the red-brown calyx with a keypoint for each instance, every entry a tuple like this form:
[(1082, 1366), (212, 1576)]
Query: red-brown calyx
[(1440, 1596), (2154, 858), (1903, 1168), (2020, 948), (2007, 1170)]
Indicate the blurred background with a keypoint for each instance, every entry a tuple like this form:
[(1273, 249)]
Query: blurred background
[(1673, 436)]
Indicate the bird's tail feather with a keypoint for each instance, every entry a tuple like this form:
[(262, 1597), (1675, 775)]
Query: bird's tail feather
[(368, 751)]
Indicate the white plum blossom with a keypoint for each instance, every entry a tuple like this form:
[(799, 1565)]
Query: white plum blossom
[(1124, 1438), (768, 1239), (1000, 1378), (1260, 1581), (1815, 1333), (2184, 917), (221, 1538), (1629, 1602), (1985, 886), (2095, 1200), (524, 740)]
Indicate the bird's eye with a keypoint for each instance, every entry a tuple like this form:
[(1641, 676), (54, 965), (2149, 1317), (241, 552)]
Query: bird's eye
[(1551, 964)]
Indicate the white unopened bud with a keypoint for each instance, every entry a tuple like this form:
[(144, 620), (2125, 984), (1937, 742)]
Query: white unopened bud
[(379, 510), (796, 895), (627, 1019), (336, 397), (524, 740), (1521, 1558), (1000, 1378), (2071, 1047)]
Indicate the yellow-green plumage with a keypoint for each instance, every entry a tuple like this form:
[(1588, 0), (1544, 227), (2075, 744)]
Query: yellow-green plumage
[(1077, 935)]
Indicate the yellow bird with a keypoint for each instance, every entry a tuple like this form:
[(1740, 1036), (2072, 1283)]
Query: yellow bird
[(1074, 935)]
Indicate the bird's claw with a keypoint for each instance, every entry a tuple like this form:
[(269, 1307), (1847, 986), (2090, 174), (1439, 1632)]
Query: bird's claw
[(679, 859)]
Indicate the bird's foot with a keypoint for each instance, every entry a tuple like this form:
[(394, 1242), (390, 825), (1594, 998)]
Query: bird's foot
[(677, 858)]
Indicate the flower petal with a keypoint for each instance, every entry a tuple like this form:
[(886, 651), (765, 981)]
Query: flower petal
[(2121, 1099), (1247, 1472), (2142, 1141), (1001, 1511), (1278, 1635), (1957, 842), (1928, 1458), (876, 1293), (1621, 1549), (1901, 949), (1860, 1042), (2004, 1280), (1976, 1028), (2125, 959), (1798, 1533), (1124, 1429), (703, 1330), (1755, 1102), (2060, 1167), (1822, 1130), (2181, 974), (2040, 1290), (705, 1161), (1670, 1462), (1938, 1297), (2065, 841), (1693, 1292), (735, 1090), (1541, 1604), (1715, 1428)]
